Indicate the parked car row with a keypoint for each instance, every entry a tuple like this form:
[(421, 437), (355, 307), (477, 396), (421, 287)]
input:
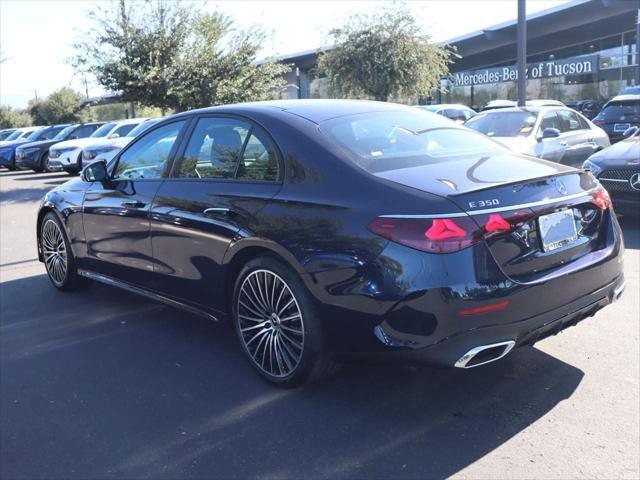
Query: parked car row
[(66, 147)]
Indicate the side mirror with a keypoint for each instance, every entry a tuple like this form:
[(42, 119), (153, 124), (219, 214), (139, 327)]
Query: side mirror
[(629, 132), (550, 133), (95, 172)]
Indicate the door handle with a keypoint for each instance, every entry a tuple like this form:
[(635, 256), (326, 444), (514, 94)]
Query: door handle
[(564, 144), (218, 211), (133, 204)]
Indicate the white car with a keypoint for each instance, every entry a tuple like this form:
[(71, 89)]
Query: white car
[(19, 134), (67, 155), (107, 149), (558, 134)]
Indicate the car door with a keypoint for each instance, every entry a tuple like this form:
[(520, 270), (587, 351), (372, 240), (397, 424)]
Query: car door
[(226, 171), (553, 149), (116, 212), (577, 137)]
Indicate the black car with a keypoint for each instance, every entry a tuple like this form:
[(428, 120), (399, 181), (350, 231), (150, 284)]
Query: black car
[(588, 108), (325, 230), (618, 170), (618, 115), (35, 155)]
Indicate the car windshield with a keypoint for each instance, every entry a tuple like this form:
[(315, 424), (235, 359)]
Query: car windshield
[(50, 132), (123, 130), (103, 130), (15, 135), (34, 135), (387, 141), (142, 127), (618, 110), (64, 133), (503, 124)]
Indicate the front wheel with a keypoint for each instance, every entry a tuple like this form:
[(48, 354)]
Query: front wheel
[(277, 324), (57, 255)]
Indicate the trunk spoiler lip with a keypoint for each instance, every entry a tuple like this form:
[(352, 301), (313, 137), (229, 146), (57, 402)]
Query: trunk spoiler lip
[(516, 182), (538, 203)]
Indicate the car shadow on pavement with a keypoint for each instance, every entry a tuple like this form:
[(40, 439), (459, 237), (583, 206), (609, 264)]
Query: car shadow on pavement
[(46, 176), (104, 384)]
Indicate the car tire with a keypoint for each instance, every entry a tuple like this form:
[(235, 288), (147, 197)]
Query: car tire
[(277, 324), (44, 163), (58, 258)]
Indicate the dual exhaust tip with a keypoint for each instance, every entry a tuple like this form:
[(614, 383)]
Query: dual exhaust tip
[(484, 354)]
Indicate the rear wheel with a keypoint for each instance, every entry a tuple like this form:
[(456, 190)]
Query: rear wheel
[(58, 257), (277, 324)]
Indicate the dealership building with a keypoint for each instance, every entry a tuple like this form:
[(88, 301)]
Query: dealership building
[(585, 49)]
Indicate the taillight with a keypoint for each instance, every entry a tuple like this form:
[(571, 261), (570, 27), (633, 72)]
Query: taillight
[(601, 198), (446, 235), (437, 235), (598, 122)]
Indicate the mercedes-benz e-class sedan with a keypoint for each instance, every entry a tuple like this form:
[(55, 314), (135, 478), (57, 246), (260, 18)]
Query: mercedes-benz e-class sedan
[(558, 134), (325, 230)]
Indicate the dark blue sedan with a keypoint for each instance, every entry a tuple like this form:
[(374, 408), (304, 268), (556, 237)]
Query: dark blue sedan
[(328, 230)]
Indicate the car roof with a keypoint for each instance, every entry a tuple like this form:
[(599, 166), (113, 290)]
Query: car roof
[(314, 110), (437, 106), (623, 98)]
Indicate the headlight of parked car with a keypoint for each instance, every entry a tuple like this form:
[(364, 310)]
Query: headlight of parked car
[(592, 167), (27, 151), (94, 152)]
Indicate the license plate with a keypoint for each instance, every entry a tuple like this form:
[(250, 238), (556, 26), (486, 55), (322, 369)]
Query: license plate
[(557, 230), (620, 127)]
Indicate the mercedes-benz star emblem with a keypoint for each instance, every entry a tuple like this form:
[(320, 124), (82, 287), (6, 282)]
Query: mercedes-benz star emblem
[(634, 181), (561, 187)]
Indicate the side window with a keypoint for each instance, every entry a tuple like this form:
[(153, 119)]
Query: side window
[(214, 148), (148, 156), (583, 123), (259, 160), (123, 130), (569, 121), (83, 131), (550, 120)]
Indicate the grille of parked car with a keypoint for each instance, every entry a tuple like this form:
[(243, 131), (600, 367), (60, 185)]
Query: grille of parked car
[(618, 180)]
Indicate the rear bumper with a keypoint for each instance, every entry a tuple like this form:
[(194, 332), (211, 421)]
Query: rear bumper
[(409, 305)]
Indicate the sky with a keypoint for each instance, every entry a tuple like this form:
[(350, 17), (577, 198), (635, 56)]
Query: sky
[(37, 36)]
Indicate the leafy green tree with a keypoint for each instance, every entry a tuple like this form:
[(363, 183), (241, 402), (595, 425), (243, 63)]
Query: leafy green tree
[(384, 55), (133, 48), (62, 106), (218, 66), (168, 55), (13, 118)]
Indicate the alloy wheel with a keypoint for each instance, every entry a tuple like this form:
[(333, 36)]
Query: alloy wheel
[(55, 252), (270, 323)]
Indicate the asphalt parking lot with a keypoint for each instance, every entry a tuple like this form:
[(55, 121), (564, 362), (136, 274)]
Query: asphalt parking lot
[(104, 384)]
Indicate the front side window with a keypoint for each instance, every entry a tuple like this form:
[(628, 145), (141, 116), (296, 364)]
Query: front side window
[(550, 120), (503, 124), (214, 148), (569, 121), (147, 158)]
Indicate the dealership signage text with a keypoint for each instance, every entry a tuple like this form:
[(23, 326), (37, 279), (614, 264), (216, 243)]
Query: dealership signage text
[(550, 68)]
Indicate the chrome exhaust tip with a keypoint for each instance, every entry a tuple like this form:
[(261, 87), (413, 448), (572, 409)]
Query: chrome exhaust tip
[(492, 352)]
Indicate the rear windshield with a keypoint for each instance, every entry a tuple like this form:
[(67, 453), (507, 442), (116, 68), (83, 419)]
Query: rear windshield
[(387, 141), (503, 124), (616, 110)]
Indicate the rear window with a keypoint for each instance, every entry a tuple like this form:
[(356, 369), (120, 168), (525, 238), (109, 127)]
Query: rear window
[(387, 141), (616, 110), (503, 124)]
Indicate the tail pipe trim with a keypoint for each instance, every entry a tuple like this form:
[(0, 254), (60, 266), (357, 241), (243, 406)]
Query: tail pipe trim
[(492, 352)]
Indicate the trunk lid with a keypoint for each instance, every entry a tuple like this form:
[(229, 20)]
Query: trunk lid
[(519, 190)]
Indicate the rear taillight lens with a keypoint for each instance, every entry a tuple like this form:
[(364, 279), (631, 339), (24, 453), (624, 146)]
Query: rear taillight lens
[(446, 235), (601, 198), (437, 235), (598, 122)]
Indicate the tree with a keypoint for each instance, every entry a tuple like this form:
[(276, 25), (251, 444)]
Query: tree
[(168, 55), (384, 55), (12, 118), (218, 66), (62, 106)]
